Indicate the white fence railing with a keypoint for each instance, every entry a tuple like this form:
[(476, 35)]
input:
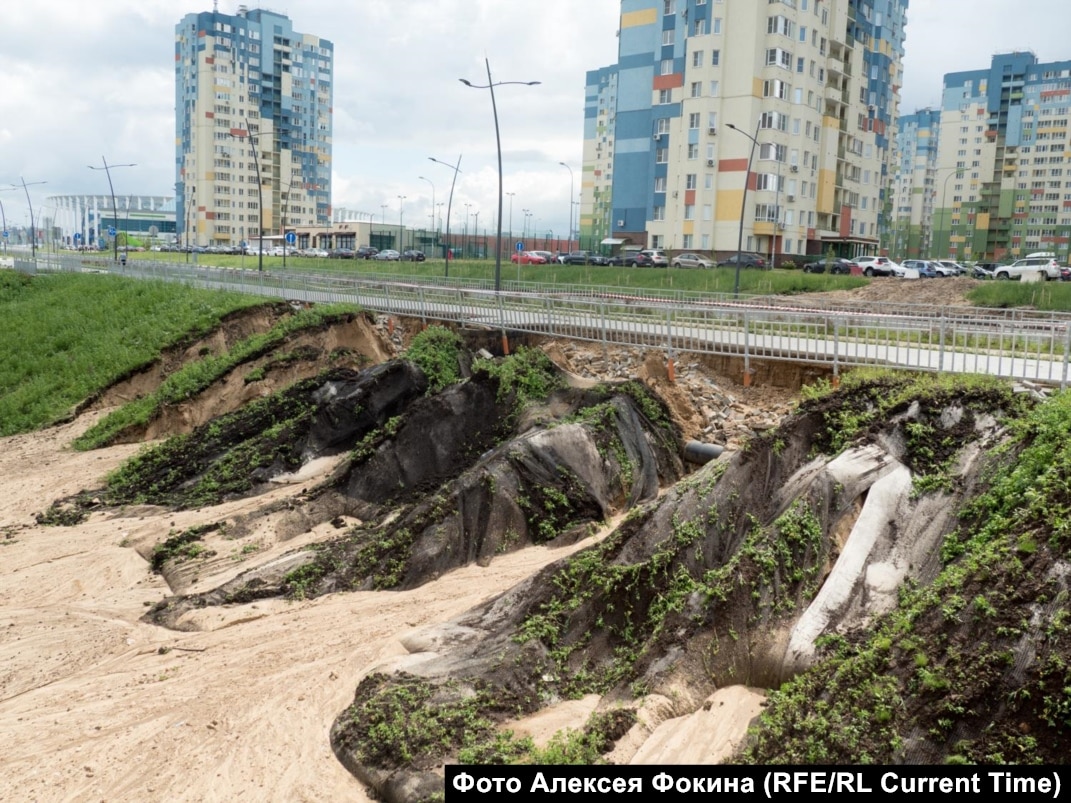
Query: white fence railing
[(1015, 344)]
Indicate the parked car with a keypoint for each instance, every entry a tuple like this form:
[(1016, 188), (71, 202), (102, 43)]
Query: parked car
[(635, 259), (389, 255), (365, 252), (547, 256), (528, 258), (340, 253), (318, 253), (984, 270), (835, 265), (747, 259), (412, 255), (577, 258), (926, 268), (878, 266), (690, 260), (949, 267), (1043, 262), (600, 259), (658, 257)]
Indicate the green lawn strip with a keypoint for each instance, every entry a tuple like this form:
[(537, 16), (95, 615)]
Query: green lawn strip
[(69, 336), (194, 377)]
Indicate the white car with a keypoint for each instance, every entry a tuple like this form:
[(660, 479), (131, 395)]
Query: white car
[(1042, 263), (948, 267), (880, 266)]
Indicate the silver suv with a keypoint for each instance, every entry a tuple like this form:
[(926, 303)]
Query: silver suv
[(658, 257), (1042, 262)]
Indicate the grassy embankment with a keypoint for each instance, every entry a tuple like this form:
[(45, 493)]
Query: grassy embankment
[(65, 338)]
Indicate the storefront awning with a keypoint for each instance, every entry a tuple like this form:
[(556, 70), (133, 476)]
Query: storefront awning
[(613, 241)]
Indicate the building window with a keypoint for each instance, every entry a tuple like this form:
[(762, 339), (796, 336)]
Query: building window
[(687, 243), (665, 95), (693, 120), (668, 6), (699, 28), (659, 213), (697, 89), (697, 58), (715, 58), (693, 150), (660, 184), (713, 89), (775, 89), (667, 66), (661, 155), (667, 38), (775, 56), (662, 125), (717, 25), (689, 211), (690, 181)]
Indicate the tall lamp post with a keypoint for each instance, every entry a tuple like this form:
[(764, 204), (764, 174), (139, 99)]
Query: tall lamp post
[(498, 142), (401, 200), (3, 217), (115, 211), (246, 134), (286, 203), (563, 164), (33, 230), (743, 201), (449, 202), (432, 183)]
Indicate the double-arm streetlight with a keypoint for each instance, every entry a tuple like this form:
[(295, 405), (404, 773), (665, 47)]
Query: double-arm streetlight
[(563, 164), (401, 200), (33, 230), (743, 201), (253, 140), (449, 202), (115, 210), (498, 142)]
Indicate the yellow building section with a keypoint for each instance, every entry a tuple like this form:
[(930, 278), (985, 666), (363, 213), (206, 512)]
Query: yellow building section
[(981, 221), (727, 205), (764, 228), (756, 87), (827, 188), (646, 16), (688, 227), (830, 122)]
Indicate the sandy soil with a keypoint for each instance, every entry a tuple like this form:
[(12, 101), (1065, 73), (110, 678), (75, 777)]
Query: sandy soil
[(97, 705)]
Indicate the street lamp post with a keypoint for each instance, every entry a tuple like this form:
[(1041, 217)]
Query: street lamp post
[(246, 134), (3, 217), (115, 211), (563, 164), (449, 202), (286, 203), (476, 230), (432, 183), (401, 200), (498, 142), (33, 230), (743, 201)]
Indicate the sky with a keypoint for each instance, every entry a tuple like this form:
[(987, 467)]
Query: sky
[(83, 83)]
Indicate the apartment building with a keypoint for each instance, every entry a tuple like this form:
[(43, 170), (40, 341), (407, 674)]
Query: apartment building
[(720, 114), (1003, 176), (253, 102), (913, 184)]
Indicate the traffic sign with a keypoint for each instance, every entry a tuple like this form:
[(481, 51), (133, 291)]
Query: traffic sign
[(111, 231), (5, 233), (77, 235), (291, 238), (520, 246)]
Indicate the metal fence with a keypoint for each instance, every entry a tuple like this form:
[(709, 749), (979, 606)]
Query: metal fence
[(1015, 344)]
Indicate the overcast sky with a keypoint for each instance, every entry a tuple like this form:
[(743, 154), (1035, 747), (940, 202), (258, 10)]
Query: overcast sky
[(81, 81)]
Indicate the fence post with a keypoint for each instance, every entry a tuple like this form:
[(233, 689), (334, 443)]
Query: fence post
[(1067, 354), (836, 353), (941, 348), (747, 355)]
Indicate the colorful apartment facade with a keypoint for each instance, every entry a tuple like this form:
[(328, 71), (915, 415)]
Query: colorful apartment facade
[(1003, 173), (253, 100), (805, 92), (914, 184)]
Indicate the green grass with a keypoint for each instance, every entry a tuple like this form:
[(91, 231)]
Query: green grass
[(67, 337)]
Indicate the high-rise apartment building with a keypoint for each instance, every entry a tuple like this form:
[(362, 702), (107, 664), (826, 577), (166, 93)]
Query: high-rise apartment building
[(1003, 175), (913, 183), (253, 102), (812, 90)]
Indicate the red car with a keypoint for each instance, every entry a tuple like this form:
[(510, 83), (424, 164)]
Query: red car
[(527, 258)]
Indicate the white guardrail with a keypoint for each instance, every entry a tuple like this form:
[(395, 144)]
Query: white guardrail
[(1014, 344)]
